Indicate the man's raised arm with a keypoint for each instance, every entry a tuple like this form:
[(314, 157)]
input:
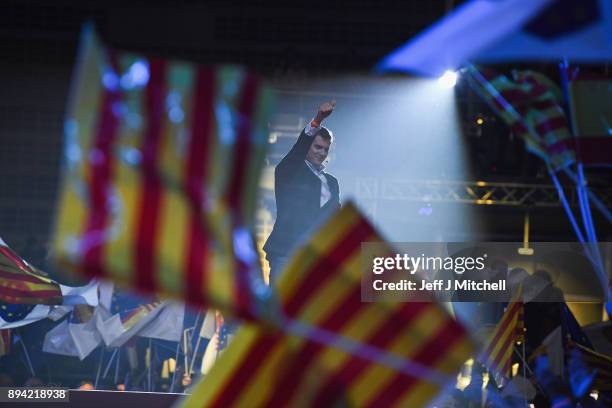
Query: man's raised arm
[(299, 150)]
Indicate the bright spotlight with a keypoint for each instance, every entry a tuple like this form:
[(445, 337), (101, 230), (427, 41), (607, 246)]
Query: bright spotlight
[(449, 79)]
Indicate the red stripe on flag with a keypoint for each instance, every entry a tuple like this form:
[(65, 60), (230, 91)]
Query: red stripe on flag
[(433, 350), (195, 179), (559, 147), (246, 109), (101, 171), (542, 107), (550, 125), (147, 227), (28, 293), (8, 252), (22, 278), (508, 342), (545, 105), (594, 150), (255, 357), (521, 96), (242, 146), (320, 273), (394, 326)]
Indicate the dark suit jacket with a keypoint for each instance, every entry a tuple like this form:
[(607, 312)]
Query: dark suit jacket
[(298, 199)]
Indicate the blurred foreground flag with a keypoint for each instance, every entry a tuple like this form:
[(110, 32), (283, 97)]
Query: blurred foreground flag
[(332, 349), (162, 163), (509, 30), (591, 109), (530, 107)]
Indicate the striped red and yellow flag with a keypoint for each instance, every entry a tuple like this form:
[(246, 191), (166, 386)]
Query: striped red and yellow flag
[(162, 162), (531, 108), (334, 354), (591, 111), (5, 341), (21, 283), (129, 318), (497, 355)]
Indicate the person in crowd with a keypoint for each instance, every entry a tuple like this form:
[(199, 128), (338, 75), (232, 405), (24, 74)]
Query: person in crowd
[(86, 386)]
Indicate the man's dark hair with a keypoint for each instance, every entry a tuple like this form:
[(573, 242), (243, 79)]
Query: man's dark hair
[(325, 134)]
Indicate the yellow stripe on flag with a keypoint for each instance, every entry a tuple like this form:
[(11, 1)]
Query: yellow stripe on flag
[(225, 367)]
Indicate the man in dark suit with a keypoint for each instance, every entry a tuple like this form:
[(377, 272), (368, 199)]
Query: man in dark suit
[(304, 192)]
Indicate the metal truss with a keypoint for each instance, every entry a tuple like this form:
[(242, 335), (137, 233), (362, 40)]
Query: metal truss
[(470, 192)]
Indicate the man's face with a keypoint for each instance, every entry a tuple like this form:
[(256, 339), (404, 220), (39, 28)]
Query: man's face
[(318, 151)]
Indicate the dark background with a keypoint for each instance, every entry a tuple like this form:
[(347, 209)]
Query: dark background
[(291, 43)]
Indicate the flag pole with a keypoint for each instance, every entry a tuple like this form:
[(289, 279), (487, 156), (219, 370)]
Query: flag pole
[(566, 206), (178, 346), (27, 355), (116, 377), (580, 180), (99, 367), (188, 368), (195, 350), (110, 362), (150, 364), (185, 357), (524, 366), (596, 201)]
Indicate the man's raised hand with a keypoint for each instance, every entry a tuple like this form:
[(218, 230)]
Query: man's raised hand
[(325, 110)]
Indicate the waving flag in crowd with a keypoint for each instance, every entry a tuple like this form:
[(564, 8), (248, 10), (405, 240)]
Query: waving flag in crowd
[(21, 283), (497, 354), (12, 315), (27, 295), (334, 355), (76, 336), (127, 317), (529, 106), (162, 163)]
